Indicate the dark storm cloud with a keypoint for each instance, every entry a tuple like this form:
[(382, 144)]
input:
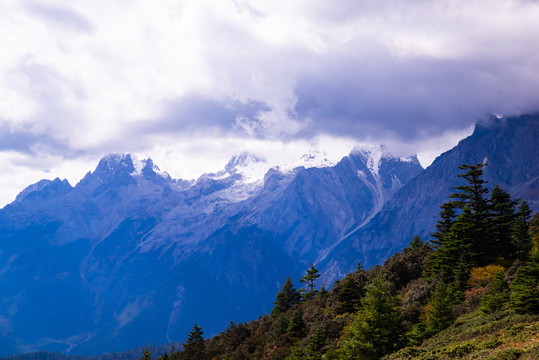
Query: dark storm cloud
[(61, 16), (378, 95), (25, 141), (367, 70), (195, 113)]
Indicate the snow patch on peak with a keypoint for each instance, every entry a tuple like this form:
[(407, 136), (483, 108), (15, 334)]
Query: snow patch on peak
[(251, 167), (116, 162), (371, 155), (137, 164), (315, 158), (129, 164), (409, 159)]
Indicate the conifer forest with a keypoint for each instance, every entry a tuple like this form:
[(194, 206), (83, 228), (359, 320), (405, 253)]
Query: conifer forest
[(472, 291)]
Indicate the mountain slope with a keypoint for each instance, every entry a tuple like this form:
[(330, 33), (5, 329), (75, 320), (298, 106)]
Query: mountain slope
[(510, 147), (92, 267)]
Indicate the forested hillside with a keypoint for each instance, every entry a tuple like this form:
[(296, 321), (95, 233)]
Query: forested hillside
[(471, 292)]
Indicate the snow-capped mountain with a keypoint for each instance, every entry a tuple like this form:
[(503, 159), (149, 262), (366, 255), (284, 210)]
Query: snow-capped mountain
[(92, 267), (130, 255), (510, 147)]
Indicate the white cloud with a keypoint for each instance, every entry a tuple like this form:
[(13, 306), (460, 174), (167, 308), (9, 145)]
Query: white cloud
[(84, 78)]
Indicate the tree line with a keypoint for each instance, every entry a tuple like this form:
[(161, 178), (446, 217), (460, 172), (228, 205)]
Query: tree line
[(483, 258)]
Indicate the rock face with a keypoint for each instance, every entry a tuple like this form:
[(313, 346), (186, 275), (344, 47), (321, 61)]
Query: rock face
[(510, 147), (130, 255)]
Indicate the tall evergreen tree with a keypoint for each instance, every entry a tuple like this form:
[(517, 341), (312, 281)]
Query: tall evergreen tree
[(316, 342), (525, 288), (461, 274), (473, 194), (481, 233), (195, 338), (349, 295), (522, 240), (456, 249), (497, 294), (296, 326), (447, 218), (147, 355), (286, 298), (472, 197), (533, 231), (440, 311), (194, 345), (503, 216), (280, 326), (416, 243), (309, 278), (378, 328)]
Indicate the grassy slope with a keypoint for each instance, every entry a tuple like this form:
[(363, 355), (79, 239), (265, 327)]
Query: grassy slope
[(502, 335)]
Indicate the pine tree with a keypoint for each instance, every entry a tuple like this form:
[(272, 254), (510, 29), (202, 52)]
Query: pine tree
[(147, 355), (440, 311), (447, 218), (316, 343), (503, 216), (497, 294), (194, 338), (193, 348), (525, 288), (461, 274), (472, 198), (533, 231), (280, 326), (309, 278), (378, 328), (469, 236), (416, 243), (349, 295), (473, 194), (296, 326), (456, 249), (522, 241), (286, 298)]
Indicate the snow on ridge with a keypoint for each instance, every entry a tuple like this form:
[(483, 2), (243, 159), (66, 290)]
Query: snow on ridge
[(408, 159), (137, 164), (315, 158), (372, 156), (251, 167)]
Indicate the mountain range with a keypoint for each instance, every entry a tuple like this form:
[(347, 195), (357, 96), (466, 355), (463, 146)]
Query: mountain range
[(508, 147), (131, 255)]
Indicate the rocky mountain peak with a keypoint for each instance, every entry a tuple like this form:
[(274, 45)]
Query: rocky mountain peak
[(122, 167), (46, 187), (117, 163), (243, 160)]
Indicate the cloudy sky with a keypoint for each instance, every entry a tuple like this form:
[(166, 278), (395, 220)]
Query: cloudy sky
[(191, 82)]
